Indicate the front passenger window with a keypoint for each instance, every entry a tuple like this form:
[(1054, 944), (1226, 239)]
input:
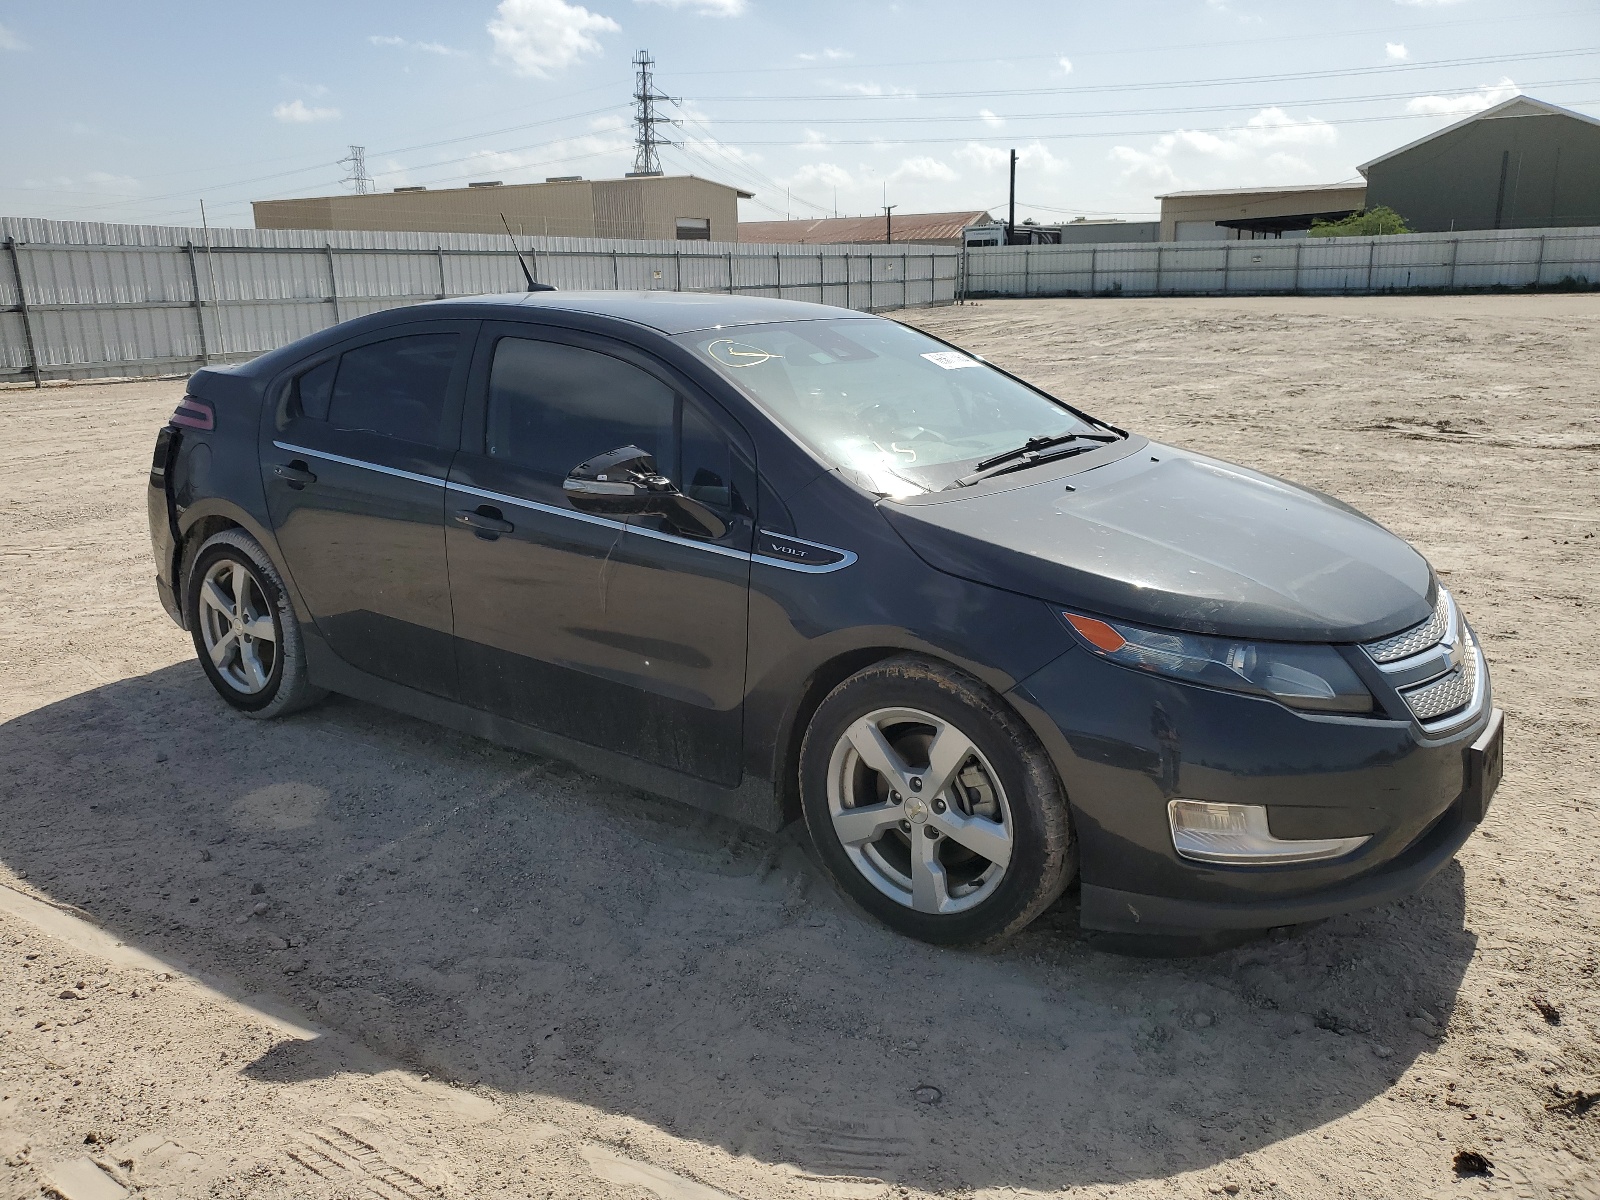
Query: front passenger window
[(553, 406), (707, 471)]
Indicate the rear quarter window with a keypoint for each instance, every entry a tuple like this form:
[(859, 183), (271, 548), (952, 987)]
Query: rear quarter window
[(311, 392)]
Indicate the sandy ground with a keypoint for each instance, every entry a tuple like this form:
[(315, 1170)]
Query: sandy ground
[(350, 954)]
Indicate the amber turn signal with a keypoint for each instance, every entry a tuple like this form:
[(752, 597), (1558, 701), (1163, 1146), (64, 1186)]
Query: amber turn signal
[(1097, 633)]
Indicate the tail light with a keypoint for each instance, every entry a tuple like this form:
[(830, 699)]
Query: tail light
[(194, 414)]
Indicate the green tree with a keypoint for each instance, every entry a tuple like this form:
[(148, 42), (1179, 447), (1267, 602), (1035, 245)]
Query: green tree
[(1371, 222)]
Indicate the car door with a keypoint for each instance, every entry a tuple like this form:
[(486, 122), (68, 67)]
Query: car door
[(627, 635), (354, 475)]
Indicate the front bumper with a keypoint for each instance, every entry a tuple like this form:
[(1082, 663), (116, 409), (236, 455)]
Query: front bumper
[(1125, 743)]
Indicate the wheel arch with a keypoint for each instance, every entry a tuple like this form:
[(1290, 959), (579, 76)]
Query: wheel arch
[(202, 521), (834, 670)]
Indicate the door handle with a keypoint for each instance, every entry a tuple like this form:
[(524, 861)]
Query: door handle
[(485, 521), (294, 474)]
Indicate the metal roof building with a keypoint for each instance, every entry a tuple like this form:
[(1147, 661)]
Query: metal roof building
[(937, 229), (1523, 164), (1255, 212), (681, 207)]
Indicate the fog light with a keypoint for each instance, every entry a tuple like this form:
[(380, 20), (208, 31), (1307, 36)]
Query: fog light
[(1238, 833)]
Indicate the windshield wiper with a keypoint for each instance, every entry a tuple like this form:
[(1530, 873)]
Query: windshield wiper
[(1035, 444), (1031, 453)]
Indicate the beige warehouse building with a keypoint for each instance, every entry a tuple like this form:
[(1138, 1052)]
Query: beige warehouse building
[(669, 207), (1246, 213)]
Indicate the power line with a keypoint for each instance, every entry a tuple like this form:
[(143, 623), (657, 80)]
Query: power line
[(1085, 113), (1142, 50), (750, 172), (1314, 122), (1227, 81)]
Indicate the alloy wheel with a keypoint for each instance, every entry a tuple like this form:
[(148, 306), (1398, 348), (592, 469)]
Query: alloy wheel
[(919, 810), (238, 627)]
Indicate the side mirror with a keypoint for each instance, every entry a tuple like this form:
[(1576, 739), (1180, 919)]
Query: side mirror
[(621, 483), (625, 483)]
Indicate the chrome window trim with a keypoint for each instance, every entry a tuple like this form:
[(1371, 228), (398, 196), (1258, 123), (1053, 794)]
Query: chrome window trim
[(847, 556), (356, 462)]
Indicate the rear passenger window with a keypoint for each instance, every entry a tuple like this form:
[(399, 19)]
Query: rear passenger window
[(396, 387), (553, 406)]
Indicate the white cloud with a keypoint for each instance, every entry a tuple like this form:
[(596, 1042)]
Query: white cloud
[(1270, 148), (830, 55), (290, 84), (822, 174), (1064, 65), (1396, 50), (438, 48), (10, 41), (990, 119), (706, 8), (297, 112), (1465, 104), (874, 89), (989, 160), (538, 37), (815, 141), (98, 182), (923, 167), (1426, 3), (1226, 9)]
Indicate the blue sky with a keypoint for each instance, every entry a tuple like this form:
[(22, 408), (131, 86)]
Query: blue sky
[(121, 112)]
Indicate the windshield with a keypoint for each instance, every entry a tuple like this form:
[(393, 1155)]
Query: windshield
[(905, 414)]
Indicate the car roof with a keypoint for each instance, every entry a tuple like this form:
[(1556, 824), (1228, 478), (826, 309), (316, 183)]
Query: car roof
[(666, 312)]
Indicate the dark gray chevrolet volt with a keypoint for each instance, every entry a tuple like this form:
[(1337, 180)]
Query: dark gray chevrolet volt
[(779, 560)]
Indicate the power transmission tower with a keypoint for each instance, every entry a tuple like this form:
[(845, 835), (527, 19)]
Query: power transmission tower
[(645, 98), (357, 162)]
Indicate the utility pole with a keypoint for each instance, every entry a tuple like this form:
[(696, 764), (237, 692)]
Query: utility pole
[(1011, 215), (357, 162), (645, 97), (888, 222)]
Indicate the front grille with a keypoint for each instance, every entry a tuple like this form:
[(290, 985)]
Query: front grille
[(1434, 665), (1445, 695), (1416, 639)]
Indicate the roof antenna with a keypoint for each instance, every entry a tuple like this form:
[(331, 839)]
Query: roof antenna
[(533, 285)]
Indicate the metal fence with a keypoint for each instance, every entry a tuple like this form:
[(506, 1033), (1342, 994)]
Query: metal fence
[(85, 300), (1502, 258)]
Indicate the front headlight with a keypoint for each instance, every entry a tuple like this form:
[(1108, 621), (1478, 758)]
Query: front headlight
[(1304, 676)]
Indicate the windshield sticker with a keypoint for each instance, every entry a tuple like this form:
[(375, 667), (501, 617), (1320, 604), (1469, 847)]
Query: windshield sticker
[(739, 354), (950, 360)]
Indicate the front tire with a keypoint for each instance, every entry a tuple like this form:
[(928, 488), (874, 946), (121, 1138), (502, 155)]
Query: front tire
[(245, 632), (932, 804)]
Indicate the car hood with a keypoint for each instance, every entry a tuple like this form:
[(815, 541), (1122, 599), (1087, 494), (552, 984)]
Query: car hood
[(1168, 538)]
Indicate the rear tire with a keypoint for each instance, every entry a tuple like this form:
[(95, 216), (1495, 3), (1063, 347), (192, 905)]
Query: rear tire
[(245, 632), (933, 805)]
